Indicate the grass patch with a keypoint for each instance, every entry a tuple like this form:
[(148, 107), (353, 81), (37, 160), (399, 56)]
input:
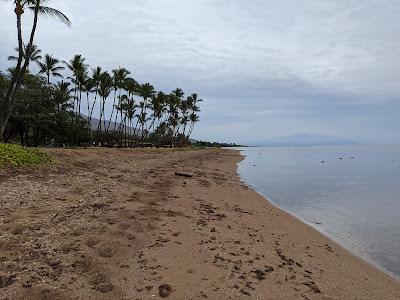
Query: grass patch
[(16, 156)]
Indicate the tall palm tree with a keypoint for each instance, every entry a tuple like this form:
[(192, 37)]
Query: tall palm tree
[(119, 77), (105, 87), (194, 118), (130, 109), (78, 67), (8, 103), (88, 87), (158, 106), (175, 101), (96, 79), (146, 91), (81, 77), (50, 67)]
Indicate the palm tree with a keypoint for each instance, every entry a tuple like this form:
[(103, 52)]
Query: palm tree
[(130, 110), (105, 87), (158, 105), (62, 96), (175, 101), (146, 91), (96, 79), (81, 77), (50, 66), (194, 118), (35, 55), (119, 77), (8, 103), (88, 87), (78, 68)]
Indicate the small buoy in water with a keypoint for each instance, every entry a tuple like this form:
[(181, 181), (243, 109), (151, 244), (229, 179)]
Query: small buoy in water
[(352, 157), (322, 161), (340, 158), (254, 165)]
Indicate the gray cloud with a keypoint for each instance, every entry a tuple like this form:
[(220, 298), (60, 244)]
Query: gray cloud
[(265, 68)]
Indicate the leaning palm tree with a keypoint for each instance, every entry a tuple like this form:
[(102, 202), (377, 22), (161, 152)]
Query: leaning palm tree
[(8, 103), (50, 67)]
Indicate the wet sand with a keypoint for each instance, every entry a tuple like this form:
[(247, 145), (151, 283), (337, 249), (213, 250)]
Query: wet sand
[(120, 224)]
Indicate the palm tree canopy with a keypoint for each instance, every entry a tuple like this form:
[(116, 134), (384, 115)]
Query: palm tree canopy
[(146, 90), (50, 66), (31, 5), (34, 53)]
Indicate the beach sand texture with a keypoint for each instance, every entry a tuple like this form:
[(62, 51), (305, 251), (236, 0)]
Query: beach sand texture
[(121, 224)]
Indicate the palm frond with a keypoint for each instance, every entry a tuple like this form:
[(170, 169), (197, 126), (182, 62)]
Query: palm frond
[(52, 13)]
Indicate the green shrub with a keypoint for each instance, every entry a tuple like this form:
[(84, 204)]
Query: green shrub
[(15, 156)]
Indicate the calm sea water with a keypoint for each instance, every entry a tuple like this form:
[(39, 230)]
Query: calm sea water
[(351, 194)]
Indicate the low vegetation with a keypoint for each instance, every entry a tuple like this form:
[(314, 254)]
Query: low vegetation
[(214, 144), (15, 156)]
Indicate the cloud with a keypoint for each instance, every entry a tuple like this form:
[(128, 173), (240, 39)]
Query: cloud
[(265, 68)]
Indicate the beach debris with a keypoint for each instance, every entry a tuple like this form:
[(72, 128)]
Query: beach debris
[(105, 288), (312, 286), (184, 174), (164, 290)]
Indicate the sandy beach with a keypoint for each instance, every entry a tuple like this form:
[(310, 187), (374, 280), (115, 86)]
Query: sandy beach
[(121, 224)]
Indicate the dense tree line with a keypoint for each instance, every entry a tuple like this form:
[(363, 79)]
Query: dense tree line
[(71, 103)]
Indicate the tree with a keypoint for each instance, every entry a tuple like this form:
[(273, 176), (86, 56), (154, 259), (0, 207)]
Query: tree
[(50, 67), (119, 77), (96, 79), (78, 68), (146, 91), (7, 102), (105, 87), (34, 56)]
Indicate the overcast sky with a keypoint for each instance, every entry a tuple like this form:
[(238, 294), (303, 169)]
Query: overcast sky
[(265, 68)]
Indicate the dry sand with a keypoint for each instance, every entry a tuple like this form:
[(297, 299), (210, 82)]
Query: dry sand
[(119, 224)]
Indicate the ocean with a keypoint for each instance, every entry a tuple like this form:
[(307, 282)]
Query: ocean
[(350, 194)]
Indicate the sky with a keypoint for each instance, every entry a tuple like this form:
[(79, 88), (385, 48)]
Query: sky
[(264, 68)]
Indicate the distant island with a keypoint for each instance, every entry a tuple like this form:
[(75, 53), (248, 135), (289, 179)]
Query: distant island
[(305, 140)]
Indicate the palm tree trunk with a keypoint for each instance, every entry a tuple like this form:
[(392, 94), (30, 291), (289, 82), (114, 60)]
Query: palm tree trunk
[(112, 112), (7, 104), (91, 111)]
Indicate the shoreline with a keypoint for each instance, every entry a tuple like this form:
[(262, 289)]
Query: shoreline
[(120, 224), (363, 257)]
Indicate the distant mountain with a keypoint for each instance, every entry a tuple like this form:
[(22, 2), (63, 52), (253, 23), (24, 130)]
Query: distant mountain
[(95, 123), (304, 140)]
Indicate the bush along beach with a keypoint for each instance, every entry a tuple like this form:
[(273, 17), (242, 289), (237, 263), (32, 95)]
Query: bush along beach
[(15, 156)]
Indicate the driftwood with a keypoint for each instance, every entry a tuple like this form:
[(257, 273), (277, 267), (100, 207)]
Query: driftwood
[(183, 174)]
